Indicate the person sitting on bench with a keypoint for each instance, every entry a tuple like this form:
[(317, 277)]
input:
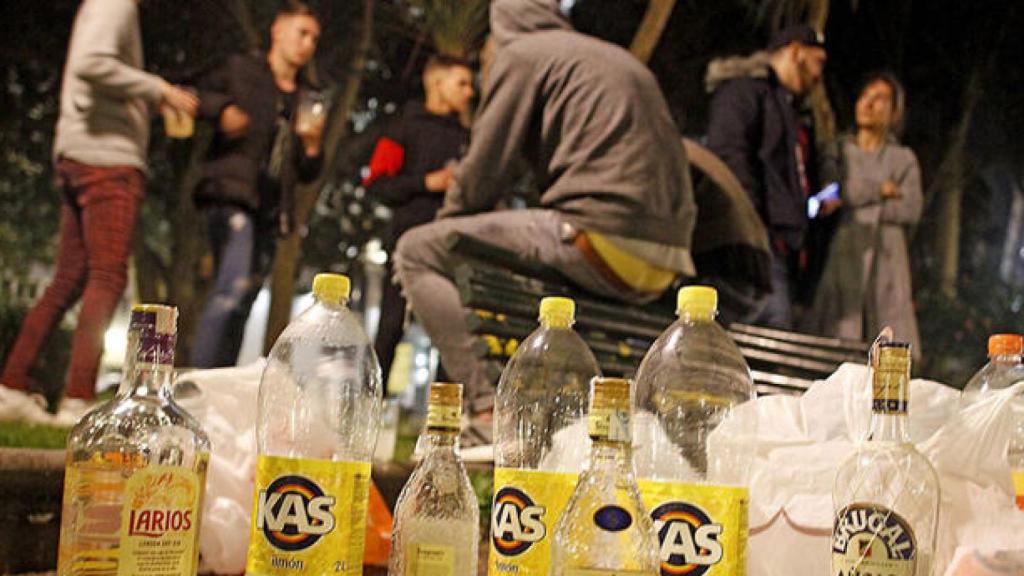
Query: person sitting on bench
[(616, 208)]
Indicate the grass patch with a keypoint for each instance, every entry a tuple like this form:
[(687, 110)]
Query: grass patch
[(21, 435)]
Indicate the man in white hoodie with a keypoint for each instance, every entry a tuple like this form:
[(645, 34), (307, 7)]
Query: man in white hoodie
[(99, 153)]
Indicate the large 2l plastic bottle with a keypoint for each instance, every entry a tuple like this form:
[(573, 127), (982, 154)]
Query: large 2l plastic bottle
[(692, 441), (319, 404), (542, 396)]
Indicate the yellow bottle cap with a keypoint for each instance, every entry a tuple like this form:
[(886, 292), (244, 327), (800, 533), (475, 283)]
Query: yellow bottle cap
[(332, 288), (557, 311), (697, 300)]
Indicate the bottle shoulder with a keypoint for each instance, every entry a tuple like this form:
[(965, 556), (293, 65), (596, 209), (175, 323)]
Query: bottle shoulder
[(138, 424)]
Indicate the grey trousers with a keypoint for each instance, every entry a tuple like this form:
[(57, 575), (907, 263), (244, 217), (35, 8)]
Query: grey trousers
[(425, 268)]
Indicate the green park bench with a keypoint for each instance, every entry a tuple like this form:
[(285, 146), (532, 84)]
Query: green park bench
[(501, 293)]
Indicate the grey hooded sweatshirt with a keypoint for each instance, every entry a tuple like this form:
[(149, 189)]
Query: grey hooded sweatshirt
[(590, 120)]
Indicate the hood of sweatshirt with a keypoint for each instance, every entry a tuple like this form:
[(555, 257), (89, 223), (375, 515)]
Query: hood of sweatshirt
[(511, 19)]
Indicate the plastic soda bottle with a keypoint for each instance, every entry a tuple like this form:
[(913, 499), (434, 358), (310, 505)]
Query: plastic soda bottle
[(542, 395), (690, 388), (319, 403)]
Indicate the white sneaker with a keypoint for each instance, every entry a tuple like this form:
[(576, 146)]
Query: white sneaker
[(17, 406), (71, 410)]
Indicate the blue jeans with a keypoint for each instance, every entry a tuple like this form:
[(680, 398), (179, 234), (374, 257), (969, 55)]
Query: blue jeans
[(243, 250)]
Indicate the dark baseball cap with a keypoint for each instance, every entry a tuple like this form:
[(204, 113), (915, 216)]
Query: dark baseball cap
[(802, 33)]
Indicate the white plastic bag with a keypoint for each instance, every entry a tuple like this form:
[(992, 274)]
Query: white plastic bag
[(802, 441), (224, 401)]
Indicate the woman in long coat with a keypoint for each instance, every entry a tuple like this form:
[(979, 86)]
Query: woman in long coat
[(866, 283)]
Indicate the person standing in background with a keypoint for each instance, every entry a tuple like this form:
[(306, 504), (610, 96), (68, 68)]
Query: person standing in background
[(248, 179), (410, 170), (754, 129), (866, 284), (100, 147)]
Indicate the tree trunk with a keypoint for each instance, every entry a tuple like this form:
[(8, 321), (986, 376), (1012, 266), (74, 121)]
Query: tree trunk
[(947, 190), (187, 287), (289, 249), (651, 28)]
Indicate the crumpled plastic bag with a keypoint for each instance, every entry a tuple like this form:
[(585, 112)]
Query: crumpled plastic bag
[(803, 440), (224, 401)]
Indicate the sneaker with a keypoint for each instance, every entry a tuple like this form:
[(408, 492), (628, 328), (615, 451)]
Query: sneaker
[(17, 406), (71, 410)]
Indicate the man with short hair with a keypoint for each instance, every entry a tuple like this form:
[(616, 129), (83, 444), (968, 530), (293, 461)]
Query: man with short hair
[(248, 179), (616, 208), (410, 170), (106, 103), (754, 129)]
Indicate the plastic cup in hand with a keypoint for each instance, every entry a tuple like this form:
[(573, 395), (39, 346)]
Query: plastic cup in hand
[(311, 111), (177, 124)]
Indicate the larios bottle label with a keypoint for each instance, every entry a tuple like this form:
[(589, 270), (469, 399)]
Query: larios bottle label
[(309, 517), (527, 505), (160, 521), (871, 539), (702, 529)]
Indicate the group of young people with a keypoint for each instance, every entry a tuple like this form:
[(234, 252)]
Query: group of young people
[(614, 209)]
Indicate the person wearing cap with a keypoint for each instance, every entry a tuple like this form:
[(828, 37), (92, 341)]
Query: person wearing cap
[(616, 208), (754, 128)]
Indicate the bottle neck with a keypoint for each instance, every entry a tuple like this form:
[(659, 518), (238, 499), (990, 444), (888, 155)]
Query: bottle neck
[(148, 367), (889, 404), (147, 374), (556, 323), (889, 427), (440, 440), (697, 315), (610, 456), (1004, 359)]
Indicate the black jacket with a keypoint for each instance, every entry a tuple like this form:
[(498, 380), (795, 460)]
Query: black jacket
[(234, 170), (753, 129), (418, 143)]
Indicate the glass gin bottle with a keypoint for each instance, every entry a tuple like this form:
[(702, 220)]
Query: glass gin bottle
[(437, 517), (886, 496), (136, 468), (605, 529)]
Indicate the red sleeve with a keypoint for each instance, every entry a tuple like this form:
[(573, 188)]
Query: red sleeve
[(388, 157)]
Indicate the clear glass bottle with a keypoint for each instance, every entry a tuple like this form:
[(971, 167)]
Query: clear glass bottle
[(605, 529), (316, 427), (437, 517), (136, 468), (886, 496), (539, 439), (692, 448), (1002, 371)]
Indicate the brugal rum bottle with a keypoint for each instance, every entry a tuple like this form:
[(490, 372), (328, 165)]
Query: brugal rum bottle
[(886, 496)]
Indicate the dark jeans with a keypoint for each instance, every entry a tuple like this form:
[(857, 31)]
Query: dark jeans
[(391, 325), (243, 250), (97, 223), (778, 309)]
